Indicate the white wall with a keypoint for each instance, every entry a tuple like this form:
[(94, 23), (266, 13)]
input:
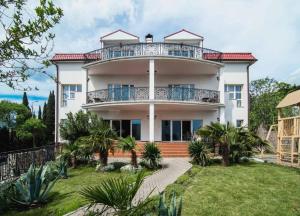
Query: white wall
[(200, 81), (235, 73), (71, 73)]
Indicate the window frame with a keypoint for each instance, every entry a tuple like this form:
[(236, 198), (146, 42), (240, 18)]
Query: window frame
[(235, 92)]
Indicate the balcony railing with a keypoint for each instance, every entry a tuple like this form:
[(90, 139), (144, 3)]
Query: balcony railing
[(152, 49), (161, 93)]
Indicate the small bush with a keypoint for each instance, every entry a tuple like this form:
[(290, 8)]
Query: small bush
[(199, 152), (151, 155)]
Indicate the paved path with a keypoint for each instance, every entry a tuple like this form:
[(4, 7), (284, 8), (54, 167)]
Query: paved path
[(157, 182)]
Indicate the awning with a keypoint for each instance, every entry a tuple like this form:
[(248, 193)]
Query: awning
[(290, 100)]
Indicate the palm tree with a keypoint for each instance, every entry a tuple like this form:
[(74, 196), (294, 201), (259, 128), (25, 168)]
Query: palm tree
[(101, 138), (222, 134), (128, 144), (117, 195)]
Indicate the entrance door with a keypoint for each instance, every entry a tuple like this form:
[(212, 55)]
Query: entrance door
[(166, 130)]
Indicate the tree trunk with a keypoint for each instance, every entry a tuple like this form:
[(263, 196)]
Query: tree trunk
[(134, 158), (225, 155), (103, 157), (73, 161)]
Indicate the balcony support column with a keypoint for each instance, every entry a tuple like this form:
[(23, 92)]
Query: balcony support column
[(151, 98)]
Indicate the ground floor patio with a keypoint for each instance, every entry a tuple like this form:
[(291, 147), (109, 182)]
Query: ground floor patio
[(168, 125)]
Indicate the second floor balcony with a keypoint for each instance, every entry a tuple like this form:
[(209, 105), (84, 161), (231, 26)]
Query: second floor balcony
[(155, 49), (141, 94)]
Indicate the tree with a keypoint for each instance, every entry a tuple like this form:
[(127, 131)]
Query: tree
[(223, 135), (12, 114), (75, 126), (32, 129), (129, 144), (265, 94), (40, 113), (25, 100), (50, 117), (44, 115), (101, 138), (27, 40)]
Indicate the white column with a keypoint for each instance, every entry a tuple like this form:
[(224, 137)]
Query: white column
[(222, 97), (222, 115), (151, 98)]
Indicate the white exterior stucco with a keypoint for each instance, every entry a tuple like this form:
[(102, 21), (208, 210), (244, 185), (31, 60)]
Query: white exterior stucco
[(152, 73)]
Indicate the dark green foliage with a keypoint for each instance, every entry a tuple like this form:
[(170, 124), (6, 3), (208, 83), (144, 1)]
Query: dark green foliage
[(199, 152), (33, 187), (174, 208), (27, 40), (44, 114), (75, 126), (6, 192), (40, 113), (116, 194), (50, 117), (25, 100), (151, 155), (33, 129), (265, 94)]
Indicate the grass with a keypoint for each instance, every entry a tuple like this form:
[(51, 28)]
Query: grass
[(248, 189), (65, 192)]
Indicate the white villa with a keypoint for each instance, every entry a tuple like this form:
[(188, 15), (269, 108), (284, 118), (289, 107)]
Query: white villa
[(154, 91)]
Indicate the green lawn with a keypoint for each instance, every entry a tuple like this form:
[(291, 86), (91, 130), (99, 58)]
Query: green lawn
[(249, 189), (65, 197)]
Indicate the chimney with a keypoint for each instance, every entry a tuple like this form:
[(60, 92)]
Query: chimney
[(149, 38)]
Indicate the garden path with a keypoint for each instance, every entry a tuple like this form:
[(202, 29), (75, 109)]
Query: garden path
[(157, 182)]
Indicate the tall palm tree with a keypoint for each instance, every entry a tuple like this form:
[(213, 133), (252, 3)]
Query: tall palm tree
[(101, 138), (222, 134), (128, 144)]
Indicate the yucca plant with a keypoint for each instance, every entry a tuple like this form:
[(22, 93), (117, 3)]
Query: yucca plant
[(33, 187), (129, 144), (117, 195), (174, 208), (199, 152), (151, 154)]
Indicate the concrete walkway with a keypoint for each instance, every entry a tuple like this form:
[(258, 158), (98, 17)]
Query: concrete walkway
[(157, 182)]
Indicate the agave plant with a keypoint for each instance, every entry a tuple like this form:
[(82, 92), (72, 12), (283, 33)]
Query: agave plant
[(199, 152), (116, 195), (174, 208), (151, 154), (33, 187)]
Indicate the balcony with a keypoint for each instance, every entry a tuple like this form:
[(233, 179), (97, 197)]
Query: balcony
[(136, 94), (151, 49)]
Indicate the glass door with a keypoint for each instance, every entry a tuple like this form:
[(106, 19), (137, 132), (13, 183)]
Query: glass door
[(176, 130), (166, 130), (186, 130)]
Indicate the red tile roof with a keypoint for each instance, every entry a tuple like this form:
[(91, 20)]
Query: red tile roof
[(209, 56), (236, 56), (74, 57)]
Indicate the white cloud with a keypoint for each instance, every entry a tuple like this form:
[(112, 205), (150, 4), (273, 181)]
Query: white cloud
[(269, 29)]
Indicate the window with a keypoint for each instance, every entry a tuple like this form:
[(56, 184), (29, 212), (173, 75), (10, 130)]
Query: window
[(239, 123), (176, 130), (136, 129), (69, 92), (196, 125), (125, 128), (165, 130), (234, 93), (117, 92)]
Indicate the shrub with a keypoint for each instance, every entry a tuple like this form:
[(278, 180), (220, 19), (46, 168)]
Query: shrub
[(174, 209), (6, 191), (199, 152), (151, 155), (33, 187)]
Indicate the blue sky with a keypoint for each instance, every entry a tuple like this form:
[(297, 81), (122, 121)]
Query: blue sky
[(270, 29)]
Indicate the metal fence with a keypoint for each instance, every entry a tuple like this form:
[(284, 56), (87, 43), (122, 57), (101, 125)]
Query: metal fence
[(15, 163)]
